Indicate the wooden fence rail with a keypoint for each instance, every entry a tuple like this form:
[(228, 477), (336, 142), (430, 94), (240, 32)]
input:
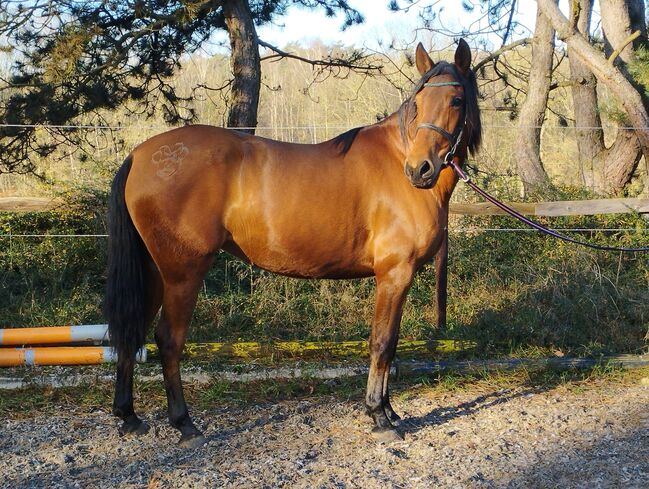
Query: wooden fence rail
[(558, 208), (28, 204)]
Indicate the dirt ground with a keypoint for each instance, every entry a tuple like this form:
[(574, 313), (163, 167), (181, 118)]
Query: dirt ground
[(592, 436)]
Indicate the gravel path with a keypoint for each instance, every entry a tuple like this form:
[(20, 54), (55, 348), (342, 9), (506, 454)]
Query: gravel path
[(593, 436)]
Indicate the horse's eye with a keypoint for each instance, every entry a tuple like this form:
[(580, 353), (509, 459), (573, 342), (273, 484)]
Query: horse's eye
[(456, 102)]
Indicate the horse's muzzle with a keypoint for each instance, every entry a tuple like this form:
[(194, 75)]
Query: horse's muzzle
[(423, 176)]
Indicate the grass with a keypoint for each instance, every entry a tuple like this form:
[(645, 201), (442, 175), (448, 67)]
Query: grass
[(517, 294), (282, 352), (150, 396)]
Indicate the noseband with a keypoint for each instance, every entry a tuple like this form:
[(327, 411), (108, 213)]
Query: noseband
[(453, 139)]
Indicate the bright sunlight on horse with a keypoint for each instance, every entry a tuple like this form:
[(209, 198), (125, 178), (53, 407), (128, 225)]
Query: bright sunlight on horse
[(372, 201)]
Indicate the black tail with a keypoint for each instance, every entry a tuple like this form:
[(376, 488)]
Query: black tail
[(125, 295)]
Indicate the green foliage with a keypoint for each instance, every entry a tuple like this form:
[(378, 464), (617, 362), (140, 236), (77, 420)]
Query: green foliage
[(639, 69), (533, 291), (50, 281), (509, 292)]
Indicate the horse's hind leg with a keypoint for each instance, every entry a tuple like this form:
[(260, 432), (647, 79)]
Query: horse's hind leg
[(123, 401), (177, 307)]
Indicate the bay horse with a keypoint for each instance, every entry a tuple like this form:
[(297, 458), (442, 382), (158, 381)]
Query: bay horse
[(371, 202)]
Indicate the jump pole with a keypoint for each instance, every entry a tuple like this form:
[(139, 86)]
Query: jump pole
[(48, 335), (57, 355), (61, 355)]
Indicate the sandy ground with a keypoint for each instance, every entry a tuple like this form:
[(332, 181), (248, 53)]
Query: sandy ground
[(590, 437)]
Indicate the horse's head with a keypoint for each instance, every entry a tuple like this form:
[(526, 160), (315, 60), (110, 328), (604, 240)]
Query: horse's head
[(441, 119)]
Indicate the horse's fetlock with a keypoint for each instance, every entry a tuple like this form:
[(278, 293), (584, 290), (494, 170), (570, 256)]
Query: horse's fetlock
[(123, 411), (178, 421)]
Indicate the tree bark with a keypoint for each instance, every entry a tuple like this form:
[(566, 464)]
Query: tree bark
[(246, 67), (605, 170), (620, 18), (532, 114), (590, 141), (618, 163), (611, 76)]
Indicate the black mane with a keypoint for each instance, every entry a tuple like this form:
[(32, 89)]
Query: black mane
[(345, 140), (408, 110)]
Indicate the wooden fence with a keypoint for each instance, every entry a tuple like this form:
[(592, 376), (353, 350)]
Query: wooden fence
[(557, 208)]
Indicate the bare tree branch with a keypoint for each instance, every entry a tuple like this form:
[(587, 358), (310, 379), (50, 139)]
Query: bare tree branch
[(624, 44), (351, 63), (504, 49)]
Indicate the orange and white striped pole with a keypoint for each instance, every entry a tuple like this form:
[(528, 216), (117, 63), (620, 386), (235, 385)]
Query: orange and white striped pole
[(57, 355), (48, 335), (61, 355)]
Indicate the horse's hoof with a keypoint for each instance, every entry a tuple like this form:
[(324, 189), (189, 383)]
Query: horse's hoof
[(194, 440), (139, 428), (386, 435)]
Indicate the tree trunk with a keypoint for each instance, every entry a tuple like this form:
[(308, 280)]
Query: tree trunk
[(530, 119), (618, 163), (611, 76), (590, 141), (246, 67), (620, 18), (605, 170)]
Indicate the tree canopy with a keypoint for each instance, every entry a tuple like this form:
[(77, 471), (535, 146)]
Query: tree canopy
[(73, 59)]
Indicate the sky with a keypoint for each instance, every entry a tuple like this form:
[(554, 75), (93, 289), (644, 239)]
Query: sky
[(381, 26), (301, 25)]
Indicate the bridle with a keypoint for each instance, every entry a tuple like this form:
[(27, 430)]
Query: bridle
[(453, 139)]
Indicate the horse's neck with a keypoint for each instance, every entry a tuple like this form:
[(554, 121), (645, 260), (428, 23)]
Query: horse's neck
[(385, 141)]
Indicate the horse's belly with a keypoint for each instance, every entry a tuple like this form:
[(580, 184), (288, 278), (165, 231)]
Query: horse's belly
[(308, 261)]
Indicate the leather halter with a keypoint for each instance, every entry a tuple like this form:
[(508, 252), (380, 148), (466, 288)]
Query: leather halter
[(453, 139)]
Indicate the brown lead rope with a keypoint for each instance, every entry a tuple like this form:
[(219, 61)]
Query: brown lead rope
[(551, 232)]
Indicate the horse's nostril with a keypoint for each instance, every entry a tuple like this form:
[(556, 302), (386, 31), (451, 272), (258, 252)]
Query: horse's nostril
[(425, 169), (408, 170)]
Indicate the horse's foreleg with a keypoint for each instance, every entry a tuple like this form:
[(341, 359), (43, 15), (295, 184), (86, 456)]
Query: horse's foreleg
[(177, 308), (389, 411), (387, 405), (123, 401), (391, 291), (441, 265)]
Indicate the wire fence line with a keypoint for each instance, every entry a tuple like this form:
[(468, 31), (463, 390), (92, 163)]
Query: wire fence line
[(310, 127), (451, 230)]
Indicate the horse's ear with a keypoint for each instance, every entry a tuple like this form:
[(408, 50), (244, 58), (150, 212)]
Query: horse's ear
[(422, 60), (463, 56)]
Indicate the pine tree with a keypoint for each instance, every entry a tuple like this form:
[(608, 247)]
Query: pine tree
[(75, 58)]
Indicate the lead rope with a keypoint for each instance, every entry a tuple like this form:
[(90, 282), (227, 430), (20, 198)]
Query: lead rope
[(539, 227)]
